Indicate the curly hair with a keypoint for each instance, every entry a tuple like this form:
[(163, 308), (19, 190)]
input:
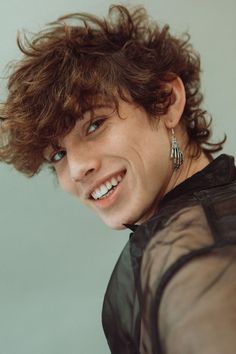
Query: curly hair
[(81, 59)]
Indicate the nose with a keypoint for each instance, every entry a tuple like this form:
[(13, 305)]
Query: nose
[(82, 166)]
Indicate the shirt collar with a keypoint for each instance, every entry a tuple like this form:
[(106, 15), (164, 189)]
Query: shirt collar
[(132, 227)]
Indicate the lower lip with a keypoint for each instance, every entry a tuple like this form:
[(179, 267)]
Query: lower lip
[(110, 199)]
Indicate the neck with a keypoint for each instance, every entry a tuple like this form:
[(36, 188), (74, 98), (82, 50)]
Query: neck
[(190, 166)]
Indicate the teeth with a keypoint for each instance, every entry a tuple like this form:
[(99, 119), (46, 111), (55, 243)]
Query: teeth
[(106, 187), (103, 189), (114, 182)]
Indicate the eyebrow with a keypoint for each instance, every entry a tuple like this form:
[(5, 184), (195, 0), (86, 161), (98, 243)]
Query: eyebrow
[(55, 145), (97, 106)]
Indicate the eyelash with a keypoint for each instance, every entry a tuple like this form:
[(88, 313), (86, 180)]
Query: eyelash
[(99, 121), (52, 157)]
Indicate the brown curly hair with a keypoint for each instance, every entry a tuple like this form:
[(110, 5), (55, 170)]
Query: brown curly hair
[(69, 66)]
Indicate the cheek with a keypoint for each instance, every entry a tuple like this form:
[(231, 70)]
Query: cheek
[(65, 182), (157, 160)]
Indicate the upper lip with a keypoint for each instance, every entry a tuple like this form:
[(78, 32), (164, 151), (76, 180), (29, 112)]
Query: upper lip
[(94, 186)]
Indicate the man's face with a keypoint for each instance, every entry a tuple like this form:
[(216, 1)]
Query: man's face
[(118, 167)]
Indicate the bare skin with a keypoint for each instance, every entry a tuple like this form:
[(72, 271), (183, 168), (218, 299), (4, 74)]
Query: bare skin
[(131, 150), (189, 168)]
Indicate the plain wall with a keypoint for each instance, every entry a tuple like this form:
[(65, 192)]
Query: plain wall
[(55, 256)]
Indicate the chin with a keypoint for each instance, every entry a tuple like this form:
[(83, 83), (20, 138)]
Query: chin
[(115, 225), (119, 223)]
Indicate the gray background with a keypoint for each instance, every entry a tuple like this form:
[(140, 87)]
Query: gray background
[(56, 257)]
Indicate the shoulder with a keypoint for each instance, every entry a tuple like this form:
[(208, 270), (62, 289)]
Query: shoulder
[(182, 233), (188, 285)]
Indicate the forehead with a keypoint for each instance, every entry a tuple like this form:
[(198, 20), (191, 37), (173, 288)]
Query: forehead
[(90, 112), (86, 108), (104, 107), (111, 100)]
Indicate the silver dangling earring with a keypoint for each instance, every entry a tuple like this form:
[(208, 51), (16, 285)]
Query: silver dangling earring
[(176, 154)]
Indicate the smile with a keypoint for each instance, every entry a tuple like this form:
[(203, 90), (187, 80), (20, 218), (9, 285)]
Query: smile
[(106, 188)]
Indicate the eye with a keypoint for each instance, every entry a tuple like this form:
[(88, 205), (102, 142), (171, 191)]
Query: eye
[(95, 125), (57, 156)]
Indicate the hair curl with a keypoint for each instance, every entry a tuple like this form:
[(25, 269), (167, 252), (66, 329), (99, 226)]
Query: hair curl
[(68, 67)]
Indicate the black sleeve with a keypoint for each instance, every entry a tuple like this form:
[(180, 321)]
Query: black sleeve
[(194, 312)]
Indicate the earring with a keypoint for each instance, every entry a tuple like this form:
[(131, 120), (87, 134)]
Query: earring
[(176, 154)]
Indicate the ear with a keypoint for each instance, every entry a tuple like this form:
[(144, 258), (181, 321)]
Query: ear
[(172, 117)]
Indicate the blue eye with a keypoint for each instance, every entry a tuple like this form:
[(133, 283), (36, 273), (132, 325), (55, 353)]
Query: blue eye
[(95, 125), (57, 156)]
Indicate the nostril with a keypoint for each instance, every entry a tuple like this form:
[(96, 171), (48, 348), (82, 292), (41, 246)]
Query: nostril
[(78, 174), (89, 171)]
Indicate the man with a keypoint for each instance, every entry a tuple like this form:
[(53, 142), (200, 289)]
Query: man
[(114, 108)]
